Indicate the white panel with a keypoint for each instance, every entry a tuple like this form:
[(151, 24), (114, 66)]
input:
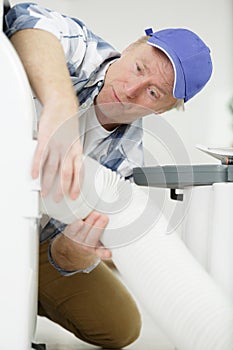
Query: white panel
[(221, 244), (1, 12), (196, 231), (18, 205)]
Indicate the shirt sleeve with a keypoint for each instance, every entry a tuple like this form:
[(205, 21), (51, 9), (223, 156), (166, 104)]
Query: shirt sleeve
[(71, 33)]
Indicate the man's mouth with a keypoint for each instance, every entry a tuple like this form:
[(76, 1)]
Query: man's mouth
[(116, 97)]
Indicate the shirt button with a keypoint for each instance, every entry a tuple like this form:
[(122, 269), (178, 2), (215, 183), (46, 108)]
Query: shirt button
[(84, 105)]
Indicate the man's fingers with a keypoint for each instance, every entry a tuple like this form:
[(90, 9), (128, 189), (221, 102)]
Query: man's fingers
[(37, 163), (103, 253), (87, 232), (70, 169), (77, 178), (66, 175), (51, 163), (50, 170), (58, 155), (96, 231), (78, 230), (73, 230)]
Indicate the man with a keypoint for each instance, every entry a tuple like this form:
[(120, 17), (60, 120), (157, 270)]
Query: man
[(68, 66)]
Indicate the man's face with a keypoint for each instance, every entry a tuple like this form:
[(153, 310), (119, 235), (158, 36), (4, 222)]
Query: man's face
[(138, 83)]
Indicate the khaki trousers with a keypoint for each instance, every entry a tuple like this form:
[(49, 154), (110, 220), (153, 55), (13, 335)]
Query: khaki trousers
[(95, 307)]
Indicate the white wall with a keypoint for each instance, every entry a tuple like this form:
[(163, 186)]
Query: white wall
[(207, 118)]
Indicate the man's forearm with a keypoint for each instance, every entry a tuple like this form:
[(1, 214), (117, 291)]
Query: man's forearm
[(58, 149), (44, 61)]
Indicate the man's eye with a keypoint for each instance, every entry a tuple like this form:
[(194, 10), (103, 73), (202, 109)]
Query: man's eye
[(138, 68), (152, 93)]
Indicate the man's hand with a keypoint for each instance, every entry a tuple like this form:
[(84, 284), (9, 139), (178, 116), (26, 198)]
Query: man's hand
[(58, 153), (79, 245)]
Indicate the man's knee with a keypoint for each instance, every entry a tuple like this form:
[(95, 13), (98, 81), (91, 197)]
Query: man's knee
[(126, 333), (125, 325), (117, 333)]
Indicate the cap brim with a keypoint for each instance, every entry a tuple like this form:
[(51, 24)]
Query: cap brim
[(179, 89)]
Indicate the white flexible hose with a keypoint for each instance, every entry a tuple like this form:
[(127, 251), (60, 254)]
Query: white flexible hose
[(181, 297)]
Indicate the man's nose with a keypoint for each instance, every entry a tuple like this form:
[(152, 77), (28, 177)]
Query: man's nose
[(134, 88)]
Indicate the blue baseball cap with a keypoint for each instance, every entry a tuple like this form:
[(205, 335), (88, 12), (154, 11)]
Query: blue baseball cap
[(190, 58)]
